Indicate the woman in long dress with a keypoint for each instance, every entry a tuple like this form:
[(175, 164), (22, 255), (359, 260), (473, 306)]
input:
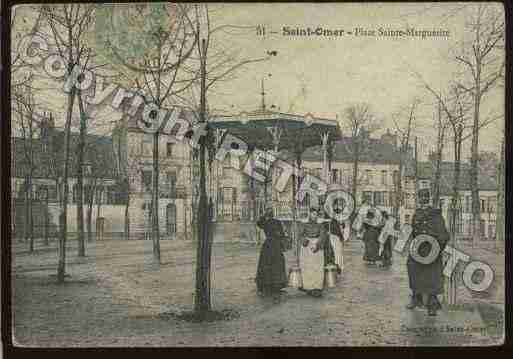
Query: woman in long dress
[(313, 237), (333, 252), (271, 273), (386, 248), (370, 238)]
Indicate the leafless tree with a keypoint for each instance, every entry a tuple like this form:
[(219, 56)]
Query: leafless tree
[(359, 123), (214, 62), (482, 59), (158, 73), (67, 25), (25, 111), (441, 125), (404, 145)]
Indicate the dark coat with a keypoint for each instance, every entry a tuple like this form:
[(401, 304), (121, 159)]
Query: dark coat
[(428, 278), (332, 227), (271, 273), (387, 254), (370, 239)]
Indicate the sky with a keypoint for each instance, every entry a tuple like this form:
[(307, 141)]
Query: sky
[(324, 75)]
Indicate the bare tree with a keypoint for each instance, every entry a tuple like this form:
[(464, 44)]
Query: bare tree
[(214, 62), (157, 66), (360, 123), (404, 146), (67, 27), (441, 125), (25, 110), (483, 60)]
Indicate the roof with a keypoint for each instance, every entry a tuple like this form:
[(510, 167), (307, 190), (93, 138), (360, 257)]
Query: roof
[(133, 122), (297, 131), (262, 115), (99, 153), (426, 170), (375, 151)]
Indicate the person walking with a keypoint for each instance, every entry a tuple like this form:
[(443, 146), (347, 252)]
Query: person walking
[(271, 275), (426, 280), (334, 251), (334, 247), (386, 248), (371, 231), (313, 236)]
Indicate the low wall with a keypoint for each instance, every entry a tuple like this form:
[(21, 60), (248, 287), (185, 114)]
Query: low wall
[(114, 217)]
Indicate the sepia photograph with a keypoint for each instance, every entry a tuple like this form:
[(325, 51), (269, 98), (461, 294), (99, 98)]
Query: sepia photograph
[(255, 174)]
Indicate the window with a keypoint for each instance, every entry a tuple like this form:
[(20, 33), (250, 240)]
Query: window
[(367, 197), (169, 149), (407, 219), (100, 195), (335, 176), (227, 171), (392, 198), (379, 198), (468, 202), (75, 193), (195, 170), (368, 176), (43, 191), (227, 195), (146, 181), (147, 142), (87, 193), (396, 177), (492, 204), (344, 177), (88, 170), (408, 198), (384, 178), (459, 226), (110, 195), (483, 205), (171, 183)]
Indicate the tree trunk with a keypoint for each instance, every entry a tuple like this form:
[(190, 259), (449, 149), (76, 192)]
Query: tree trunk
[(474, 185), (399, 186), (438, 174), (155, 230), (202, 303), (64, 203), (47, 220), (89, 222), (127, 219), (29, 220), (89, 218), (354, 184), (80, 179), (99, 203)]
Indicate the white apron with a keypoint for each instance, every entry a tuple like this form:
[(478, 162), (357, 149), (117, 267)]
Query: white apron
[(312, 266), (338, 248)]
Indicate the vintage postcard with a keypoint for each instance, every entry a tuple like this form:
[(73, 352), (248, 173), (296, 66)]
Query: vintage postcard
[(257, 174)]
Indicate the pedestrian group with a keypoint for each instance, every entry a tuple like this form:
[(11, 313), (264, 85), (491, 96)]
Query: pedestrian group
[(322, 238)]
